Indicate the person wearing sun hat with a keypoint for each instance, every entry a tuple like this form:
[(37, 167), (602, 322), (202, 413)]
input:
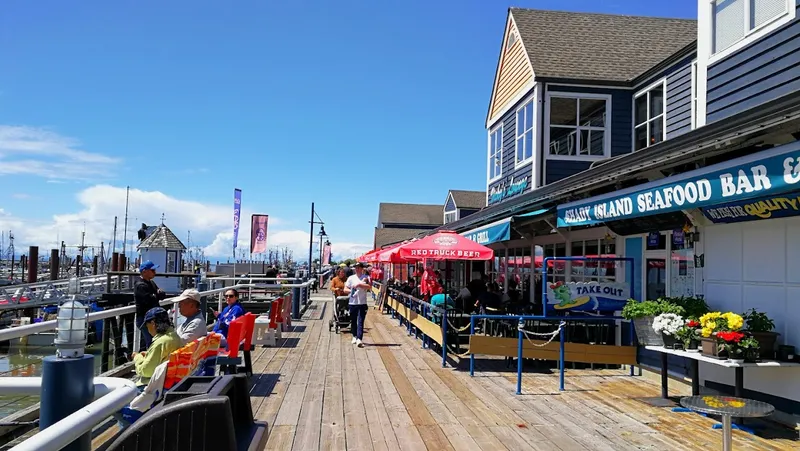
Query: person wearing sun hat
[(146, 295), (195, 325), (165, 341)]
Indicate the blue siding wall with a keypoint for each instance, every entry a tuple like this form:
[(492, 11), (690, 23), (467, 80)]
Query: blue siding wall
[(679, 100), (764, 71), (509, 151), (559, 169), (464, 212), (450, 205), (621, 129)]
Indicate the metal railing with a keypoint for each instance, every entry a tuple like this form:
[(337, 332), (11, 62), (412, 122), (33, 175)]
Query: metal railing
[(65, 431)]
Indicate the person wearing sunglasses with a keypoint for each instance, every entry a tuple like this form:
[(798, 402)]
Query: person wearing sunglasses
[(232, 311)]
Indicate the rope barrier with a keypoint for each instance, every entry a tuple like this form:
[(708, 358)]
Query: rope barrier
[(552, 335), (457, 329)]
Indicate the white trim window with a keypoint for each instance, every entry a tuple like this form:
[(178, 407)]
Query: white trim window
[(578, 126), (524, 142), (735, 21), (496, 153), (650, 115), (450, 216)]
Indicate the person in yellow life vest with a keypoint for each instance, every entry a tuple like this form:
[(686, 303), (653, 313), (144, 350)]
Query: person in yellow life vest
[(165, 341)]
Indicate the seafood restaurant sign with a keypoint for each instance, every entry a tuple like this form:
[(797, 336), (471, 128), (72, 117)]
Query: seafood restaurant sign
[(769, 172)]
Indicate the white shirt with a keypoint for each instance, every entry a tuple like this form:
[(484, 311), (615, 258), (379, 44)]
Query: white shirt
[(358, 296)]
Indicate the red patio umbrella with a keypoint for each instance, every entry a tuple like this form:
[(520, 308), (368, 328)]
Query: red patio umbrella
[(445, 245), (391, 254)]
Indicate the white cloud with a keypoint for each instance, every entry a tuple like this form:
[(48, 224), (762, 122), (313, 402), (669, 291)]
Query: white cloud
[(41, 152), (21, 196), (210, 225)]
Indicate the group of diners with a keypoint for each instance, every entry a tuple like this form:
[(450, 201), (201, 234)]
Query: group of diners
[(479, 296)]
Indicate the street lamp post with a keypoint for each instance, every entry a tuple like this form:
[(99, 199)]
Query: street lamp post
[(314, 216)]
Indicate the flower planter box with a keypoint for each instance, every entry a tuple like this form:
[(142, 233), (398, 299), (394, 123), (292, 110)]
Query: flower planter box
[(710, 348), (670, 342), (645, 333)]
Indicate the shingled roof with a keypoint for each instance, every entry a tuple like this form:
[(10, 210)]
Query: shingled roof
[(385, 237), (469, 199), (411, 214), (162, 238), (600, 47)]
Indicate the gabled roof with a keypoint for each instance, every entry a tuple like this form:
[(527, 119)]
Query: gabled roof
[(469, 199), (161, 238), (385, 237), (598, 47), (411, 214)]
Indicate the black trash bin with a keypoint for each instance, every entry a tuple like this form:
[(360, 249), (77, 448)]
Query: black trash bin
[(200, 413)]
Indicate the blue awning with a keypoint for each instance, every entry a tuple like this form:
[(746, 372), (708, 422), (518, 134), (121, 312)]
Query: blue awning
[(769, 172), (499, 230), (490, 233)]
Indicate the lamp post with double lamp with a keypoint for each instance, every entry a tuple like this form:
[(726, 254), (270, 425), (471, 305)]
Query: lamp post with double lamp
[(68, 376), (314, 220)]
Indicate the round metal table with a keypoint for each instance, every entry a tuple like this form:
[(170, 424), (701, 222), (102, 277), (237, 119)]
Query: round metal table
[(727, 407)]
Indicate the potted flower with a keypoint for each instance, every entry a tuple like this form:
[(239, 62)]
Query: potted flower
[(711, 325), (760, 327), (688, 335), (750, 349), (642, 314), (667, 324), (730, 342)]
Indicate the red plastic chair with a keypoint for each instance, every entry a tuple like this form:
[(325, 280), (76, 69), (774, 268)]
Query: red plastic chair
[(229, 359), (249, 327)]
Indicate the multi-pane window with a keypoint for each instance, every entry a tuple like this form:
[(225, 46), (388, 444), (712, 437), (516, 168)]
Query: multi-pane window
[(525, 132), (450, 217), (495, 153), (649, 116), (735, 19), (578, 126), (593, 271)]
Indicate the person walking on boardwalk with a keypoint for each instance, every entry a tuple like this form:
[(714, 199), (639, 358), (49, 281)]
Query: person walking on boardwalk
[(146, 296), (357, 286)]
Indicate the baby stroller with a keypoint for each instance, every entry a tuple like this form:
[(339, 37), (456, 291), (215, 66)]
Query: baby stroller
[(341, 313)]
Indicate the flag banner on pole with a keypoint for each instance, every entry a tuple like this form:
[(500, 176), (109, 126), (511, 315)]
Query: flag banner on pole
[(258, 234), (326, 254), (237, 207)]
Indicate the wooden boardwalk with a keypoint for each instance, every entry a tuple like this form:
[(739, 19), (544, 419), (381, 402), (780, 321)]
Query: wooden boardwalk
[(317, 391)]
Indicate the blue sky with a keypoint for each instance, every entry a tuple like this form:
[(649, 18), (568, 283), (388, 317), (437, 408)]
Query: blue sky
[(345, 103)]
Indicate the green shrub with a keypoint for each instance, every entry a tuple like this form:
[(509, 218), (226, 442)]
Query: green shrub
[(694, 307), (635, 309)]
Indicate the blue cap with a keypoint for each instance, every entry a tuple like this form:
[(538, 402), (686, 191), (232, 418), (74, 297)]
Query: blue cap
[(152, 314), (147, 264)]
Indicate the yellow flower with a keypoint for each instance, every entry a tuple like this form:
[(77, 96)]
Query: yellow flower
[(706, 332), (711, 325), (735, 322)]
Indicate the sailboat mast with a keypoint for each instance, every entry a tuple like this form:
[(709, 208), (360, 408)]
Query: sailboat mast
[(125, 232)]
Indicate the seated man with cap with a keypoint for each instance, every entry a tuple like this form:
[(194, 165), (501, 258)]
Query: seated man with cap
[(195, 325), (165, 341)]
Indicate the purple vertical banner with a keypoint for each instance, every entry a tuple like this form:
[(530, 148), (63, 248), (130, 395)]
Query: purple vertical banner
[(237, 210)]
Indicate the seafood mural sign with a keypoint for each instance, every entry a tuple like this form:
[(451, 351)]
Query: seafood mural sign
[(588, 296)]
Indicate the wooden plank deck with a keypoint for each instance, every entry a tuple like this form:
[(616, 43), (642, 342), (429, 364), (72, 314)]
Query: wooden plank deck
[(318, 391)]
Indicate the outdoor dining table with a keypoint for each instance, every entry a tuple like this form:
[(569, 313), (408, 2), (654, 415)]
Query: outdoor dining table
[(727, 407)]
